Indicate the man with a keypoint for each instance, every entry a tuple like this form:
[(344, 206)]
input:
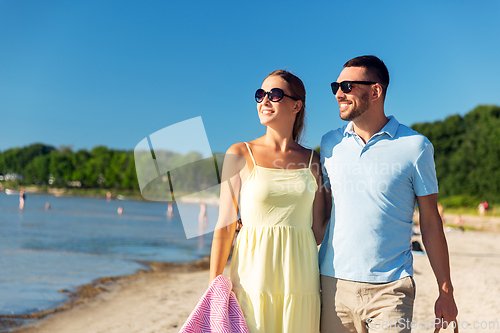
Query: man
[(376, 168)]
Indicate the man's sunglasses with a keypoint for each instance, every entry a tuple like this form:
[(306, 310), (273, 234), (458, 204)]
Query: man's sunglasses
[(346, 86), (274, 95)]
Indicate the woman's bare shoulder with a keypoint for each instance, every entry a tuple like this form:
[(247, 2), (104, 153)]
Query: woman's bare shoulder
[(316, 158), (238, 148)]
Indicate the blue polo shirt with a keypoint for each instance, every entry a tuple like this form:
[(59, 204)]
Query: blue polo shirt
[(374, 188)]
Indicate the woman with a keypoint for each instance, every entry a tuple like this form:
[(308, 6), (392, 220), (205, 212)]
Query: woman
[(274, 268)]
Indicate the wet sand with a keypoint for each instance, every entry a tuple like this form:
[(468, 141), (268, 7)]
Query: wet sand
[(159, 301)]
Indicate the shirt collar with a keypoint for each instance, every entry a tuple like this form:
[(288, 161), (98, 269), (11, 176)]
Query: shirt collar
[(348, 130), (390, 128)]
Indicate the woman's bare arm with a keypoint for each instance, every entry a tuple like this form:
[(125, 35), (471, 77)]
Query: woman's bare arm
[(228, 211), (322, 205)]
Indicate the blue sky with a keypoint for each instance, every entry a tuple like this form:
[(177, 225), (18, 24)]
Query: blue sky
[(88, 73)]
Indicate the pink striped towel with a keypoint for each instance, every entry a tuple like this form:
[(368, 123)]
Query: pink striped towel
[(217, 311)]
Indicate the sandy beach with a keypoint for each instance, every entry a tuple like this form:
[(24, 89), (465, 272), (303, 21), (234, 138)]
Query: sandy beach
[(159, 301)]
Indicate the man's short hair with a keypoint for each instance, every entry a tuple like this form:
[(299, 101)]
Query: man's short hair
[(374, 66)]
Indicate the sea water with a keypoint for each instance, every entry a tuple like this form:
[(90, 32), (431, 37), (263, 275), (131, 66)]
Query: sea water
[(80, 239)]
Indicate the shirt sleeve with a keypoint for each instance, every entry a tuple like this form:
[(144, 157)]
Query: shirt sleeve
[(424, 178)]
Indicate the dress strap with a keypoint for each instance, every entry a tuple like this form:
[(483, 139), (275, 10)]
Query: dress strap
[(310, 159), (250, 151)]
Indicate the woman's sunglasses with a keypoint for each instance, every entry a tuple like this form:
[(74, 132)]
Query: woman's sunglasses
[(274, 95), (346, 86)]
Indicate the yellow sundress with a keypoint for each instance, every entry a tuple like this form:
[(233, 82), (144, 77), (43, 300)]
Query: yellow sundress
[(274, 268)]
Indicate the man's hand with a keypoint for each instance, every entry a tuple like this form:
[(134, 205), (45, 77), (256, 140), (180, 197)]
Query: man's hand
[(445, 310)]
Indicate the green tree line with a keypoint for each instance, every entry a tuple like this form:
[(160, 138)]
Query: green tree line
[(467, 154), (41, 165)]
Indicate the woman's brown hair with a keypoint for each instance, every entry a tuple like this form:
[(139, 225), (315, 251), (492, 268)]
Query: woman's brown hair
[(298, 91)]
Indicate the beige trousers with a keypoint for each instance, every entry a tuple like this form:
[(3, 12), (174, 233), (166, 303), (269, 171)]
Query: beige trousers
[(349, 306)]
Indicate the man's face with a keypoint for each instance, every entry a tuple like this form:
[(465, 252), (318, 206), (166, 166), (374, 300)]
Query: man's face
[(355, 103)]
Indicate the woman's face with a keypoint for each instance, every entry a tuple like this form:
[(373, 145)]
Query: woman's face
[(283, 111)]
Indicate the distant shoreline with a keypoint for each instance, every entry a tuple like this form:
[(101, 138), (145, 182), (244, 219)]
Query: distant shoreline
[(115, 194)]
